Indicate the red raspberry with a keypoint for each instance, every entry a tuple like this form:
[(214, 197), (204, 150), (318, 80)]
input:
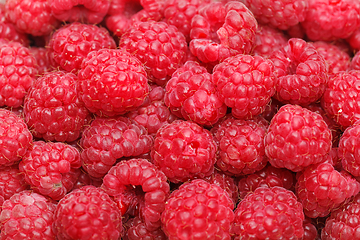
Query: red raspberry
[(51, 168), (133, 6), (310, 231), (191, 94), (183, 150), (108, 139), (269, 213), (12, 181), (52, 108), (297, 138), (271, 109), (302, 73), (136, 230), (42, 57), (71, 43), (355, 62), (354, 40), (321, 189), (198, 210), (112, 82), (87, 213), (221, 30), (159, 46), (27, 215), (296, 31)]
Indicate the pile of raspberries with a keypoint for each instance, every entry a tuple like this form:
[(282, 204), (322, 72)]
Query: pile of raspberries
[(180, 119)]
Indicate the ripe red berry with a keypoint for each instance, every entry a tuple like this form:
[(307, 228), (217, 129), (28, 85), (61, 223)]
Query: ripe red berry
[(12, 181)]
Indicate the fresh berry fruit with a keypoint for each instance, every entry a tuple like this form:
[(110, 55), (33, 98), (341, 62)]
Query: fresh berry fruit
[(183, 150), (130, 200), (27, 215), (108, 139), (136, 230), (42, 57), (198, 210), (191, 94), (87, 213), (269, 213), (310, 230), (71, 43), (112, 82), (354, 40), (297, 138), (52, 108), (302, 73), (51, 168), (12, 181), (245, 83)]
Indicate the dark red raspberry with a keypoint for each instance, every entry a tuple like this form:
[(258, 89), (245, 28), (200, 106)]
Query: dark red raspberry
[(27, 215), (89, 213), (183, 150), (85, 179), (355, 62), (51, 168), (136, 230), (271, 109), (159, 46), (321, 189), (354, 40), (198, 210), (71, 43), (109, 139), (12, 181), (297, 138), (221, 30), (112, 82), (42, 57), (310, 230), (191, 94), (269, 213), (296, 31), (302, 73)]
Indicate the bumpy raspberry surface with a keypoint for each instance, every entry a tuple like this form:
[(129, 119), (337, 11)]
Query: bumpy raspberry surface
[(191, 94), (8, 30), (354, 40), (12, 181), (136, 230), (245, 83), (221, 30), (321, 189), (200, 210), (184, 150), (355, 61), (27, 215), (42, 56), (51, 168), (302, 73), (269, 213), (297, 138), (158, 45), (88, 213), (108, 139), (71, 43)]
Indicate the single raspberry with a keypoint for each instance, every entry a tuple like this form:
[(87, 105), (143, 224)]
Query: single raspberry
[(12, 181), (136, 230), (198, 210), (27, 215), (140, 172), (42, 57), (269, 213), (71, 43), (87, 213), (52, 108), (51, 168), (191, 94), (310, 230), (109, 139), (221, 30), (112, 82), (159, 46), (302, 73), (297, 138), (321, 189), (183, 150), (328, 20)]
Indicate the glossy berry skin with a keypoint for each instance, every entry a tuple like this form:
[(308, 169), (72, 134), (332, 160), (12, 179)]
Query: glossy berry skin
[(27, 215), (12, 181), (112, 82), (87, 213), (136, 230), (183, 150), (198, 210), (297, 138)]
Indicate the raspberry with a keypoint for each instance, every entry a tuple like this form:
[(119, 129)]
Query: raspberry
[(71, 43), (271, 109), (52, 108), (159, 46), (297, 138), (321, 189), (51, 168), (310, 231), (87, 213), (221, 30), (85, 179), (198, 210), (191, 94), (302, 73), (355, 62), (136, 229), (183, 150), (27, 215), (42, 59), (112, 82), (108, 139), (12, 181), (354, 40)]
